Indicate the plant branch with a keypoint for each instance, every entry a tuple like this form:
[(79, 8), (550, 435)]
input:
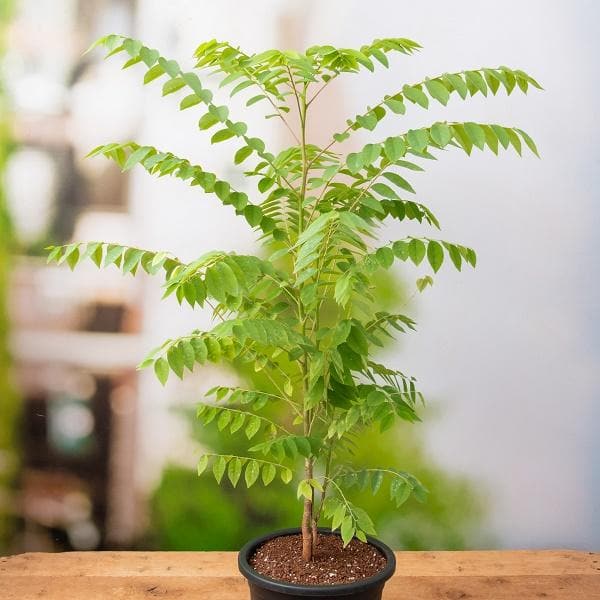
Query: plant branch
[(321, 89), (240, 411)]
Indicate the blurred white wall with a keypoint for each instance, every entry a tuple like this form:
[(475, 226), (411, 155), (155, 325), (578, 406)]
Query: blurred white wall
[(510, 351)]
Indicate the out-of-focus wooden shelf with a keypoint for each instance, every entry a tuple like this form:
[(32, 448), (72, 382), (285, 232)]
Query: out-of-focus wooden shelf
[(496, 575), (90, 350)]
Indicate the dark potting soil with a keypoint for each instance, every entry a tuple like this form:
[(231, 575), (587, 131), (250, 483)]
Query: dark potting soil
[(281, 558)]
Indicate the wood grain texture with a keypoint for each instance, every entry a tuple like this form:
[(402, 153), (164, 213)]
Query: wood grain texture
[(520, 575)]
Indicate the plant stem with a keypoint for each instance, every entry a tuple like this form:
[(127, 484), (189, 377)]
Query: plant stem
[(307, 518), (309, 532)]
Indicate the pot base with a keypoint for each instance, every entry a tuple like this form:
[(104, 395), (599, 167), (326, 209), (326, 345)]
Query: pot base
[(266, 588), (258, 593)]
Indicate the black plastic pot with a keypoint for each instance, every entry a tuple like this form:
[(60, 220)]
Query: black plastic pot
[(265, 588)]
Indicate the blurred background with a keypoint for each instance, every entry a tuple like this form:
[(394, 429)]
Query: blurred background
[(95, 455)]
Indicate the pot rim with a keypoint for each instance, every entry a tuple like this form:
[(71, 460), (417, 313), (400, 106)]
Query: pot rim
[(285, 587)]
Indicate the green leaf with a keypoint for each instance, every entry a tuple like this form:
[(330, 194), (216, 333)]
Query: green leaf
[(239, 129), (189, 357), (438, 91), (354, 162), (265, 184), (514, 139), (423, 282), (435, 255), (419, 492), (288, 388), (241, 86), (193, 82), (457, 83), (396, 105), (227, 278), (256, 144), (172, 86), (213, 349), (252, 427), (286, 475), (175, 360), (251, 473), (492, 80), (234, 470), (394, 148), (347, 530), (490, 138), (170, 67), (476, 134), (441, 134), (462, 138), (202, 464), (416, 95), (316, 484), (214, 284), (400, 491), (253, 215), (338, 516), (72, 258), (113, 255), (219, 112), (255, 99), (368, 121), (200, 350), (502, 135), (303, 446), (219, 467), (207, 121), (376, 481), (530, 143), (223, 420), (153, 73), (363, 521), (136, 157), (370, 153), (222, 135), (400, 249), (416, 251), (268, 473), (361, 536), (161, 368), (54, 253), (418, 139), (242, 154), (222, 190), (385, 257), (131, 259), (304, 490), (237, 422), (455, 255), (384, 190), (95, 252), (386, 422), (476, 82), (189, 101), (380, 56), (399, 181)]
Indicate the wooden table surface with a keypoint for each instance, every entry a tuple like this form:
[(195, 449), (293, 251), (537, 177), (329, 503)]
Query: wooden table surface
[(501, 575)]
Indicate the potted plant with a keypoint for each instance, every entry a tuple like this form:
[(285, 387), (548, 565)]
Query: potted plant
[(302, 314)]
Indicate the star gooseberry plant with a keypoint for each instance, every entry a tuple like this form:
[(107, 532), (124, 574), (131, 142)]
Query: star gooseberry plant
[(304, 315)]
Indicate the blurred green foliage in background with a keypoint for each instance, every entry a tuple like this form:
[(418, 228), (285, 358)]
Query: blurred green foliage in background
[(192, 513), (8, 397)]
